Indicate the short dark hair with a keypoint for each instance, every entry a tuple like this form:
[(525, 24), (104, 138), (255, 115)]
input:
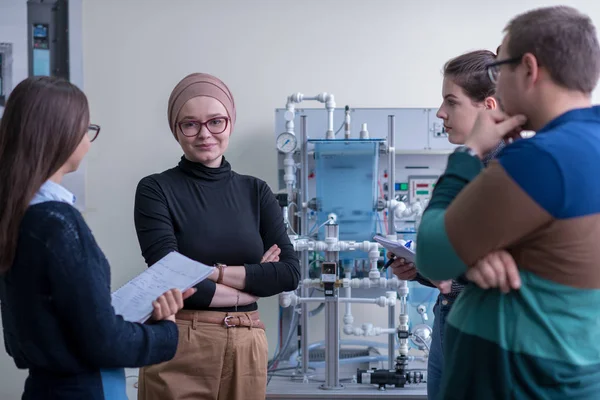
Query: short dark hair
[(44, 121), (563, 40), (469, 71)]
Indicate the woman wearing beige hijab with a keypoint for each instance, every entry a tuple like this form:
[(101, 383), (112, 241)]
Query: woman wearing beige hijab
[(206, 211)]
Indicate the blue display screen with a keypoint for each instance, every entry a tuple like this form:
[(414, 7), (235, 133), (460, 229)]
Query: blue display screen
[(40, 31), (41, 62)]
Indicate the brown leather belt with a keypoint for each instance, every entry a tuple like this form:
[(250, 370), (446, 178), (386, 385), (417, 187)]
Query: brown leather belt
[(228, 320)]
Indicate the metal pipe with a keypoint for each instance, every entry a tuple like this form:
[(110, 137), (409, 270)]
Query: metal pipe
[(303, 206), (332, 344), (304, 168), (332, 321), (356, 300), (391, 339), (391, 172), (391, 223)]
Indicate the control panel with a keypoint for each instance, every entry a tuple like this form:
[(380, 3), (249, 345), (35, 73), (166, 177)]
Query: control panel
[(48, 37), (420, 188)]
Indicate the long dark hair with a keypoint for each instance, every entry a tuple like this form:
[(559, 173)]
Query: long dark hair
[(43, 123), (469, 71)]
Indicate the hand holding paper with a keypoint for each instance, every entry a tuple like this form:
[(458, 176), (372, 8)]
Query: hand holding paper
[(396, 248), (169, 303), (134, 300)]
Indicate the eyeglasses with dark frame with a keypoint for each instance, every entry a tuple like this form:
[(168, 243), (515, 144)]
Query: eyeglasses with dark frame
[(93, 132), (191, 128), (493, 69)]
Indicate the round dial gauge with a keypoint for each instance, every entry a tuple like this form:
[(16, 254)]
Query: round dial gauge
[(286, 142)]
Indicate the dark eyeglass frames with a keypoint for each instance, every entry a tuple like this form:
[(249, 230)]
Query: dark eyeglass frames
[(191, 128), (493, 69), (93, 132)]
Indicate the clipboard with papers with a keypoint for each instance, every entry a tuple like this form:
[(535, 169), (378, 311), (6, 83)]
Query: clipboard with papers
[(397, 248), (133, 300)]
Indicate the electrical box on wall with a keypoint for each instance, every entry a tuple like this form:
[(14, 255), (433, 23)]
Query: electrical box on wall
[(48, 37), (5, 72)]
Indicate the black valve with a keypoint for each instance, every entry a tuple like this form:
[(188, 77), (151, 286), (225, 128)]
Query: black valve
[(381, 377)]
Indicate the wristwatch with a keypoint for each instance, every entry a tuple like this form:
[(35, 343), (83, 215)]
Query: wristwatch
[(466, 149), (221, 268)]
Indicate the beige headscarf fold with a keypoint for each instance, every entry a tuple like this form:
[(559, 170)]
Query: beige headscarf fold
[(199, 84)]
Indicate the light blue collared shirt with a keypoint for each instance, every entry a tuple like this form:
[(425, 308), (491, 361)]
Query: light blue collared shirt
[(51, 191)]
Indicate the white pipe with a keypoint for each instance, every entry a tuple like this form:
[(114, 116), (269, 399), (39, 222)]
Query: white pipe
[(291, 299), (326, 98), (289, 175), (364, 283), (403, 317), (330, 134), (336, 245), (373, 257), (401, 210), (293, 360), (348, 318), (290, 114), (367, 330)]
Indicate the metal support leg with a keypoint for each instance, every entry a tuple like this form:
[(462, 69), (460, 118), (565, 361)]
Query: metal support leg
[(304, 319), (332, 320), (332, 345), (391, 172), (304, 232), (391, 338)]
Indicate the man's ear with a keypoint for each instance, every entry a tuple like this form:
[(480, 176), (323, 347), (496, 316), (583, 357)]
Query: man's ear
[(490, 103)]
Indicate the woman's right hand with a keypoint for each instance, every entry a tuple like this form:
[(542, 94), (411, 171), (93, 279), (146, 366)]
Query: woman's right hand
[(169, 303)]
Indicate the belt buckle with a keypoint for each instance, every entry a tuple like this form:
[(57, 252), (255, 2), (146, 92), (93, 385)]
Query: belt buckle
[(226, 322)]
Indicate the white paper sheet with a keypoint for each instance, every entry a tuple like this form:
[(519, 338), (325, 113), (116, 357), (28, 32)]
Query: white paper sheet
[(394, 246), (174, 271)]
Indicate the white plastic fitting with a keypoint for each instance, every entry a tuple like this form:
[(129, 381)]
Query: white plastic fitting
[(392, 297), (289, 169), (348, 319), (285, 299), (364, 132), (367, 330), (374, 275), (421, 309), (402, 288), (402, 210)]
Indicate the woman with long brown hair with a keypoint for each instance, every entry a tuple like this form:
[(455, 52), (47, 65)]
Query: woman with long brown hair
[(54, 280), (466, 90)]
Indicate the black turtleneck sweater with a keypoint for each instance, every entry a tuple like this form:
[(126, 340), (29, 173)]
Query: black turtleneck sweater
[(214, 215)]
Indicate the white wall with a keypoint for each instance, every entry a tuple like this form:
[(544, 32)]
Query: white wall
[(13, 29)]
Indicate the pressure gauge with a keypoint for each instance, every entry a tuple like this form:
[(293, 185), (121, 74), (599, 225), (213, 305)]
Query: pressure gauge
[(286, 142)]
